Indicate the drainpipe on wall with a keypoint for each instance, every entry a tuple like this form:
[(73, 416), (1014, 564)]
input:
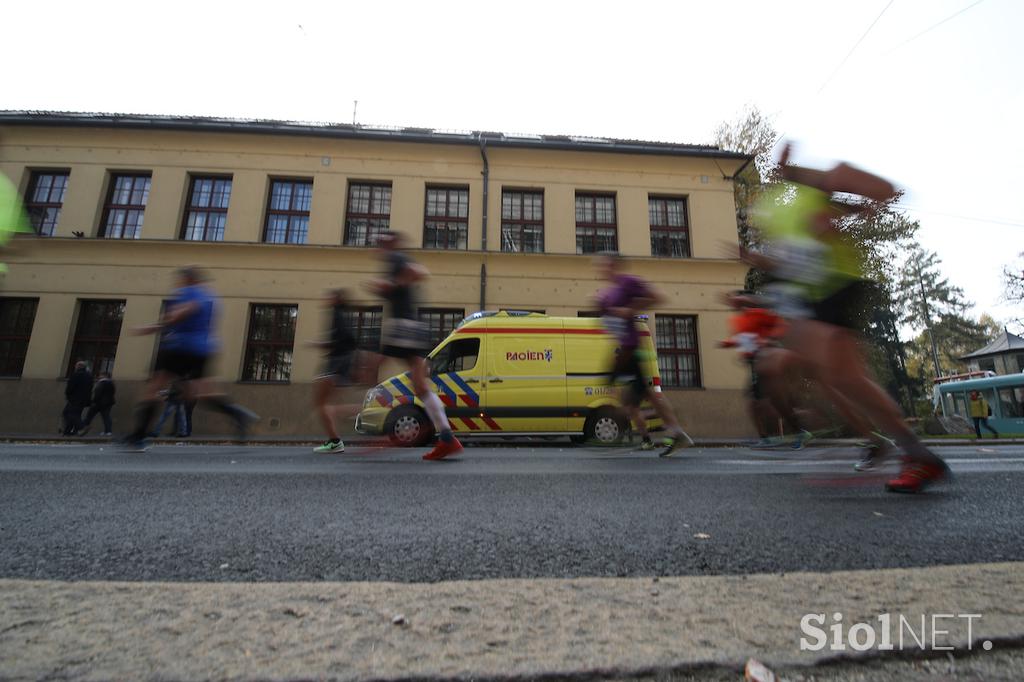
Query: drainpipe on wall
[(483, 241)]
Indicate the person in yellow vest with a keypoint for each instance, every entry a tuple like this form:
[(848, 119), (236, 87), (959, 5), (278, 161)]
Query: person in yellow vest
[(979, 414)]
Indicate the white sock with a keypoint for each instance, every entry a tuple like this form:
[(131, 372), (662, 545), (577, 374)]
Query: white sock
[(435, 410)]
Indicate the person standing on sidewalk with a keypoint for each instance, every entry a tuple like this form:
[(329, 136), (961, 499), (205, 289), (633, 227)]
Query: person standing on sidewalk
[(979, 414), (404, 337), (187, 345), (78, 393), (619, 304), (102, 402), (339, 369)]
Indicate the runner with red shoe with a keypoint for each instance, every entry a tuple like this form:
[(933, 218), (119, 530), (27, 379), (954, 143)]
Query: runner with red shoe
[(822, 278), (405, 337)]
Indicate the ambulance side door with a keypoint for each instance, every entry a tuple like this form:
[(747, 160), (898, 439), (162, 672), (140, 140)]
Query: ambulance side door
[(456, 375)]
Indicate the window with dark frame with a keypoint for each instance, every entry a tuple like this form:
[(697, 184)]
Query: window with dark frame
[(270, 343), (288, 211), (596, 227), (17, 315), (460, 355), (96, 335), (522, 221), (670, 229), (45, 199), (126, 206), (207, 210), (365, 324), (446, 220), (367, 214), (676, 342), (441, 322)]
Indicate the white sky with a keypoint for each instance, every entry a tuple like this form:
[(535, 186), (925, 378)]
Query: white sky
[(940, 115)]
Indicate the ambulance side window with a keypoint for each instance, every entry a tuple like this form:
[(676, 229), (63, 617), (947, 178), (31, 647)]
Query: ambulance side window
[(457, 356)]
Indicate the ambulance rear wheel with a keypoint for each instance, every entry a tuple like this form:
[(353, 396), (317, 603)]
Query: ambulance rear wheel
[(408, 426), (606, 426)]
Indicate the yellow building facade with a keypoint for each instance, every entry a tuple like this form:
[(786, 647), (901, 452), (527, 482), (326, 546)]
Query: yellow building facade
[(501, 222)]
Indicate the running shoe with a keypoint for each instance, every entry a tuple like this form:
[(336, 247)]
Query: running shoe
[(764, 444), (801, 439), (444, 448), (873, 454), (330, 446), (140, 445), (674, 442), (647, 443), (914, 477)]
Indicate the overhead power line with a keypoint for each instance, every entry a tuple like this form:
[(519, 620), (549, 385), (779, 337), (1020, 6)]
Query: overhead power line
[(914, 209), (855, 45), (935, 26)]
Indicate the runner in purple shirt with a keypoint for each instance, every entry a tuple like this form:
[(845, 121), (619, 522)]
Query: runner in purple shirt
[(619, 304)]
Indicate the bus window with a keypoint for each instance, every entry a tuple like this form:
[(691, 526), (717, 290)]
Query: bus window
[(1011, 403), (960, 405)]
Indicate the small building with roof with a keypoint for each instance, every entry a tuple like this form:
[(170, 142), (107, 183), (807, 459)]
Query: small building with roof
[(1004, 355)]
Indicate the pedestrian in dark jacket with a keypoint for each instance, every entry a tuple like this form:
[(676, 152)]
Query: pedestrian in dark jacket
[(102, 402), (78, 393)]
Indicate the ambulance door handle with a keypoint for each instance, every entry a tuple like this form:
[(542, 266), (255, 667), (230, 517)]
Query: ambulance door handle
[(472, 381), (496, 380)]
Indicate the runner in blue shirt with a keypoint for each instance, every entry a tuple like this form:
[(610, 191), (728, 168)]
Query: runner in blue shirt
[(187, 344)]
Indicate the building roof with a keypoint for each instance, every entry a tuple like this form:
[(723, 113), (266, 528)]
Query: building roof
[(1003, 343), (362, 132)]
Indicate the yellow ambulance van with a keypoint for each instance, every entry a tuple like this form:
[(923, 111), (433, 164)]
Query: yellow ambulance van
[(514, 374)]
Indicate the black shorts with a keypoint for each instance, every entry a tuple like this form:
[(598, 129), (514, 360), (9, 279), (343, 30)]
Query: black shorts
[(627, 366), (845, 307), (181, 365), (403, 338), (339, 368)]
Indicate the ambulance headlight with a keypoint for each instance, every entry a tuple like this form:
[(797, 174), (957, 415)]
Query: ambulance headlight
[(372, 395)]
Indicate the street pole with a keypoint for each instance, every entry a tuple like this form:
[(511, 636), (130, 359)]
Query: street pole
[(928, 317)]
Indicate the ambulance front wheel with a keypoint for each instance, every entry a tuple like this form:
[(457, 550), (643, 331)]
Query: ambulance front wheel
[(408, 426), (606, 426)]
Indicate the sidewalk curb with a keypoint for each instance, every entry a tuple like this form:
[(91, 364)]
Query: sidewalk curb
[(495, 629)]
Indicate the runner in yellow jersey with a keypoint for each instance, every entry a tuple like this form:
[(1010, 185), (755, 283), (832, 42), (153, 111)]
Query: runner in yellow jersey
[(822, 290)]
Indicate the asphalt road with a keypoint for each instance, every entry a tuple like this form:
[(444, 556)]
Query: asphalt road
[(231, 513)]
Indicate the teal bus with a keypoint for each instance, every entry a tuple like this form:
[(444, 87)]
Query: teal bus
[(1004, 394)]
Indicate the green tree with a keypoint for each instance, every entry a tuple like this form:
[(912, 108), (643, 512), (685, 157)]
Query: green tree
[(1013, 282), (929, 303), (956, 336), (751, 133)]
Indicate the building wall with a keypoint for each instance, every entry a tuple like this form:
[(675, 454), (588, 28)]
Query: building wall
[(61, 270)]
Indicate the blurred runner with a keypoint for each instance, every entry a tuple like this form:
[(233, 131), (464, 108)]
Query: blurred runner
[(619, 304), (406, 338), (13, 218), (340, 369), (187, 344), (755, 333), (823, 292)]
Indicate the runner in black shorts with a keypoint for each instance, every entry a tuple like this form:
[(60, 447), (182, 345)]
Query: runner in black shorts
[(627, 297), (187, 343), (814, 255), (406, 338), (340, 367)]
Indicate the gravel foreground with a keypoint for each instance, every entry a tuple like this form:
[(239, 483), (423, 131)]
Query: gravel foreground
[(688, 628)]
